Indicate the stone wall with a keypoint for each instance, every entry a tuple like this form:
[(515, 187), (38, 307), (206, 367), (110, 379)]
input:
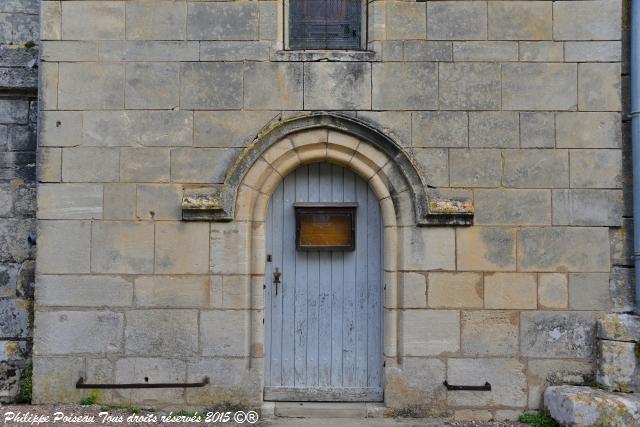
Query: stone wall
[(515, 105), (18, 113)]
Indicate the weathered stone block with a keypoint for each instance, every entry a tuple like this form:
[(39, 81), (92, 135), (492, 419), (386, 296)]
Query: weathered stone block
[(537, 130), (152, 86), (222, 21), (268, 20), (159, 332), (493, 129), (235, 50), (475, 168), (15, 318), (588, 130), (73, 236), (584, 249), (531, 86), (421, 50), (229, 128), (211, 85), (417, 382), (119, 201), (549, 372), (520, 20), (167, 291), (48, 91), (205, 165), (60, 128), (553, 290), (396, 124), (222, 333), (609, 51), (428, 248), (440, 129), (156, 20), (273, 86), (155, 50), (622, 285), (159, 202), (182, 248), (90, 164), (536, 168), (230, 291), (434, 165), (393, 50), (102, 20), (68, 332), (90, 85), (622, 243), (469, 86), (589, 291), (414, 290), (144, 165), (69, 51), (337, 86), (84, 291), (599, 87), (570, 405), (55, 379), (486, 248), (510, 291), (147, 128), (560, 334), (14, 111), (455, 290), (587, 207), (229, 248), (230, 378), (70, 201), (587, 20), (490, 333), (441, 336), (485, 51), (512, 207), (406, 21), (506, 376), (51, 20), (619, 327), (541, 51), (405, 86), (463, 20), (152, 370), (122, 247)]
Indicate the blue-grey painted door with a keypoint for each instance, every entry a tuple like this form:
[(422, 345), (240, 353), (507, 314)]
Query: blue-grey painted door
[(323, 328)]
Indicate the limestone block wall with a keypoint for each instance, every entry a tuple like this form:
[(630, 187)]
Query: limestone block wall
[(18, 113), (516, 105)]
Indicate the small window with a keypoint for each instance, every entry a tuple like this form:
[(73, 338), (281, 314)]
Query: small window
[(325, 226), (325, 24)]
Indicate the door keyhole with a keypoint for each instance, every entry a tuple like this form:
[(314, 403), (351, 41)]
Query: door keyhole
[(276, 279)]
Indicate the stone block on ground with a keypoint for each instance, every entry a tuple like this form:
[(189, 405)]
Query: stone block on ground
[(618, 367), (586, 406), (619, 327)]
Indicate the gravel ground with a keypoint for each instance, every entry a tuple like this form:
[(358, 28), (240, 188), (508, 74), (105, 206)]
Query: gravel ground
[(34, 416)]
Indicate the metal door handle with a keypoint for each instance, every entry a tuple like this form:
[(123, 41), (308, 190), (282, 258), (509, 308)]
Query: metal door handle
[(276, 279)]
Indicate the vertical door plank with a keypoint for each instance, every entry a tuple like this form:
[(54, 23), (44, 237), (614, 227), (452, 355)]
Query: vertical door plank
[(288, 281), (349, 296), (374, 291), (324, 311), (276, 300), (313, 274), (300, 369), (337, 279), (361, 284)]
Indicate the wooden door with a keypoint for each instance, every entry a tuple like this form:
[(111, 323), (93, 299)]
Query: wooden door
[(323, 328)]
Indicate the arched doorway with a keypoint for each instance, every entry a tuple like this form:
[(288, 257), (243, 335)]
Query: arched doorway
[(323, 307)]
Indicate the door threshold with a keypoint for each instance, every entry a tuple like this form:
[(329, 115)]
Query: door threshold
[(356, 410)]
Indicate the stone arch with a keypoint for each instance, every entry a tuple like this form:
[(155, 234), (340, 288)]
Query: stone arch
[(354, 144)]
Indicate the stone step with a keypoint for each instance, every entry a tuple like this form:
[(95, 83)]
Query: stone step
[(587, 406), (327, 410)]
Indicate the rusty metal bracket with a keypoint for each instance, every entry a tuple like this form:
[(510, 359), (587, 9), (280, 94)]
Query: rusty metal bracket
[(81, 384), (485, 387)]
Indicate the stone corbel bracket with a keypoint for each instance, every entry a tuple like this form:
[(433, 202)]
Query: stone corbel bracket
[(217, 202)]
